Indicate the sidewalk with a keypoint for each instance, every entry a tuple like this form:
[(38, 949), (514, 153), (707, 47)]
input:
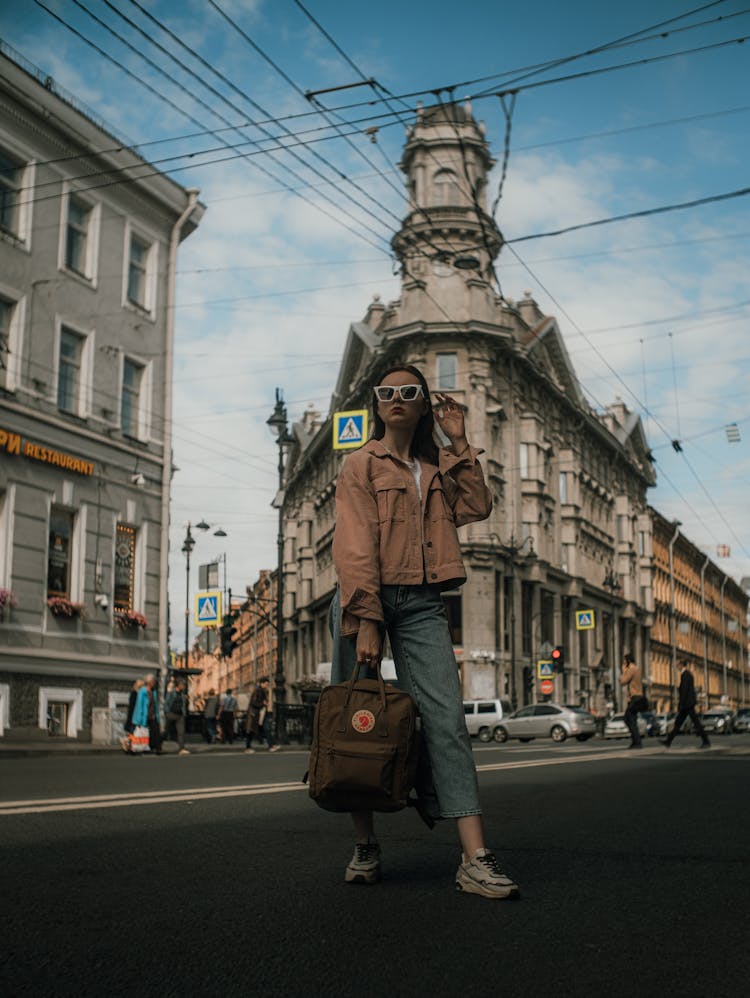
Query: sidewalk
[(21, 749)]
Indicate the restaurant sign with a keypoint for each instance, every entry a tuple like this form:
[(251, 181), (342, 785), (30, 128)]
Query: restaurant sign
[(13, 443)]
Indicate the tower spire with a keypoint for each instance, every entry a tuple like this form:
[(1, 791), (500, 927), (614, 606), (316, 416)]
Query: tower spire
[(446, 161)]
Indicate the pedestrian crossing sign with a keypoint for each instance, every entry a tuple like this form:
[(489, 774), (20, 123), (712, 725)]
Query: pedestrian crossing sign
[(585, 620), (349, 429), (545, 669), (208, 608)]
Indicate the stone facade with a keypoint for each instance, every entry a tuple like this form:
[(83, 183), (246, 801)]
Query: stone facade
[(86, 293), (701, 615), (570, 528)]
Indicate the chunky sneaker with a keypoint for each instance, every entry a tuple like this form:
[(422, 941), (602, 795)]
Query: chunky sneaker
[(482, 875), (364, 866)]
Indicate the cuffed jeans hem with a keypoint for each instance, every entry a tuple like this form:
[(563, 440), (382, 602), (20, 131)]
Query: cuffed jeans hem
[(461, 814)]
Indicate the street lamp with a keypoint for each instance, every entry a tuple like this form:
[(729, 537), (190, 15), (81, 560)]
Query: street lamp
[(612, 583), (672, 629), (512, 549), (187, 547), (277, 422)]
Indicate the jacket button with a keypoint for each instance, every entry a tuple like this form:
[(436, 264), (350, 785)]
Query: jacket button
[(433, 575), (429, 544)]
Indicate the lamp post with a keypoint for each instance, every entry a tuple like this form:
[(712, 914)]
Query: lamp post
[(723, 642), (277, 422), (705, 633), (672, 629), (512, 549), (187, 547), (612, 583)]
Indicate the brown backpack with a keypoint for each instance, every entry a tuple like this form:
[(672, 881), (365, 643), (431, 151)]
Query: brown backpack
[(365, 746)]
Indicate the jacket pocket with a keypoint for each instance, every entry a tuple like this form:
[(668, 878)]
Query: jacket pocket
[(390, 493)]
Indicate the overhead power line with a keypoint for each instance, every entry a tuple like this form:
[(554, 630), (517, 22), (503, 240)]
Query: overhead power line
[(711, 199)]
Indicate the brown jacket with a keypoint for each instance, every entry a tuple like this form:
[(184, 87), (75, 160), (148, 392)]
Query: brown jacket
[(384, 536), (632, 678)]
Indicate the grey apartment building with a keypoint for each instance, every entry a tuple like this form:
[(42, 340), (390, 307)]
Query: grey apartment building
[(89, 234), (570, 531)]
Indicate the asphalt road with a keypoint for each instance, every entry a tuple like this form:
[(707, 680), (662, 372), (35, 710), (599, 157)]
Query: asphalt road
[(216, 875)]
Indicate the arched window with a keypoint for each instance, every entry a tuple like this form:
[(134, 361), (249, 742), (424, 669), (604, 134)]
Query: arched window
[(445, 186)]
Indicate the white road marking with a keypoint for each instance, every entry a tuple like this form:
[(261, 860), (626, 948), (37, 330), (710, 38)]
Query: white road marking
[(150, 797), (104, 801)]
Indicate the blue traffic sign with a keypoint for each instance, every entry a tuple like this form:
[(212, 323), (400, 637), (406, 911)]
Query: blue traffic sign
[(208, 608), (585, 620), (349, 429)]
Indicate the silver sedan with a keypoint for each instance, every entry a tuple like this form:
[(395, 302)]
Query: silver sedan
[(617, 728), (547, 720)]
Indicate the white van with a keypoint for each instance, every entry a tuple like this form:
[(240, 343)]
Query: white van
[(483, 717)]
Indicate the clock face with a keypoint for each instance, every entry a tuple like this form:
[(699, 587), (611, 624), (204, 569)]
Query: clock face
[(441, 268)]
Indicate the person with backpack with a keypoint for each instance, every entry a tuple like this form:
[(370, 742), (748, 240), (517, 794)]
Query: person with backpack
[(399, 500), (176, 708)]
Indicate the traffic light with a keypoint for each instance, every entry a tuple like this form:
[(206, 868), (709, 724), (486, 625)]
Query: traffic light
[(558, 658), (528, 684), (227, 635)]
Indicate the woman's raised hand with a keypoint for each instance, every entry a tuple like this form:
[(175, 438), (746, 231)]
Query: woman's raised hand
[(450, 418)]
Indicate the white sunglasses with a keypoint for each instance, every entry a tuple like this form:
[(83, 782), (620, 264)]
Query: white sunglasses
[(407, 393)]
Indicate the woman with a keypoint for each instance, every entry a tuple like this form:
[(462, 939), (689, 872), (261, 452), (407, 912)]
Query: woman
[(257, 718), (128, 725), (398, 502)]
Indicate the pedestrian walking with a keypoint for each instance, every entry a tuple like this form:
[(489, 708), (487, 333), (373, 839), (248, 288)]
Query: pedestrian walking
[(225, 716), (128, 726), (399, 500), (259, 718), (146, 713), (176, 708), (686, 707), (631, 679), (210, 709)]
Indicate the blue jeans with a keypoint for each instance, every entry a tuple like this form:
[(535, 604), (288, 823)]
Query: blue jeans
[(426, 668)]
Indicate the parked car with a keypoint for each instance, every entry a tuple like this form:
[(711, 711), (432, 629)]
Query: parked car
[(616, 727), (718, 721), (547, 720), (483, 717), (742, 720), (652, 724), (665, 723)]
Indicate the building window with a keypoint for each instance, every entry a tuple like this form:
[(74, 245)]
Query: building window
[(77, 237), (452, 603), (124, 568), (563, 486), (447, 373), (523, 460), (11, 175), (60, 553), (130, 406), (138, 268), (446, 188), (69, 372)]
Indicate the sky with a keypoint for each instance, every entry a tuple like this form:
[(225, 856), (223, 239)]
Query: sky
[(295, 243)]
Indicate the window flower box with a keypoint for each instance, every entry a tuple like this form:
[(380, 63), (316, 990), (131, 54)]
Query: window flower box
[(130, 620), (7, 601), (61, 606)]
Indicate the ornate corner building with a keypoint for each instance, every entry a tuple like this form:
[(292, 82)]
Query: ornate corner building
[(570, 529)]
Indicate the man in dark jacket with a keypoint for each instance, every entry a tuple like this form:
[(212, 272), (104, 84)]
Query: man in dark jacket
[(686, 706)]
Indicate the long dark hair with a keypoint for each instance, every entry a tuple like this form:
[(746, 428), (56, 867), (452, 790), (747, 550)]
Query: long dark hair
[(423, 444)]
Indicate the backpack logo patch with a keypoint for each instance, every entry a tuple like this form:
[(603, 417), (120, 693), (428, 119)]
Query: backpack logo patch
[(363, 721)]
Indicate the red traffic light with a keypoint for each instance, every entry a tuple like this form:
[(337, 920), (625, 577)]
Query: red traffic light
[(558, 658), (556, 654)]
